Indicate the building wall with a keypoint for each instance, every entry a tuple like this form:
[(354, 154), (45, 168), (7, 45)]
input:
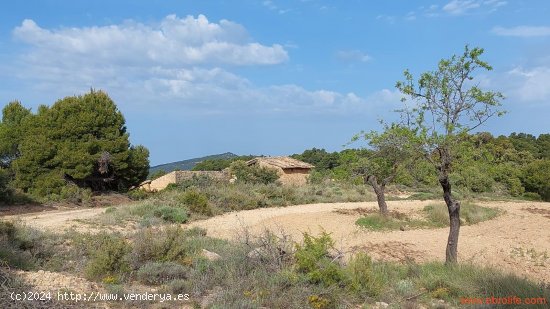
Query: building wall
[(294, 176), (179, 176), (162, 182), (289, 176)]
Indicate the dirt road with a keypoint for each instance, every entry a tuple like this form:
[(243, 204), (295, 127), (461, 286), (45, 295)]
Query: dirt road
[(56, 220), (517, 241)]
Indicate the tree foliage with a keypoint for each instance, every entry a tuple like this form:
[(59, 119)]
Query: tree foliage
[(390, 151), (219, 164), (253, 173), (79, 139), (447, 105), (12, 130)]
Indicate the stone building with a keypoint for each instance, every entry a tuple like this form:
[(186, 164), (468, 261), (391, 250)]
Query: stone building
[(179, 176), (290, 171)]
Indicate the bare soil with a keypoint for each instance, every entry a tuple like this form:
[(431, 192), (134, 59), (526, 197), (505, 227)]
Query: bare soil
[(517, 241), (56, 220)]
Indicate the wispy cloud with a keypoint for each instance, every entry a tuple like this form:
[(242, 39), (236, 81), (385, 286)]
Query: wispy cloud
[(353, 55), (522, 31), (272, 6), (530, 85), (460, 7)]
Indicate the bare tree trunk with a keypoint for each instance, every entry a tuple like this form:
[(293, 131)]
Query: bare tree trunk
[(379, 189), (454, 216)]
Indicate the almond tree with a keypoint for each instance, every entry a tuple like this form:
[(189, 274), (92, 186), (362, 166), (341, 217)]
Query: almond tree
[(447, 105), (390, 151)]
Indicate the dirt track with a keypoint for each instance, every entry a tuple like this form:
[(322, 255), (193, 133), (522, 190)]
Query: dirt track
[(517, 241), (56, 220)]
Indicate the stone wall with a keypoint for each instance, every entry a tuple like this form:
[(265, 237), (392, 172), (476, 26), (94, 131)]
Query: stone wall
[(162, 182), (179, 176), (289, 176), (215, 175), (294, 177)]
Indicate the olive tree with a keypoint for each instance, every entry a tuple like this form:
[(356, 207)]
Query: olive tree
[(447, 104)]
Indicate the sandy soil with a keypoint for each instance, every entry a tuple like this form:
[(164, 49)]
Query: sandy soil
[(517, 241), (56, 220)]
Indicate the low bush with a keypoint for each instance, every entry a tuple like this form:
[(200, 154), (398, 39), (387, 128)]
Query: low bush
[(155, 273), (171, 214), (464, 280), (531, 196), (197, 202), (26, 248), (362, 278), (138, 194), (393, 221), (253, 174), (314, 259), (159, 245), (108, 257), (438, 215)]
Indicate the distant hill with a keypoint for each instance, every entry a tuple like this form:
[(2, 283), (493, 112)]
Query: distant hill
[(187, 165)]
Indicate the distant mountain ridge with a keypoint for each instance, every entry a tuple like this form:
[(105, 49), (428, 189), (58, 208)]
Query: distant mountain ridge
[(187, 165)]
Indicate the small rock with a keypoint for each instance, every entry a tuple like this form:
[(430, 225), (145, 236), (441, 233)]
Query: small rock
[(209, 255), (381, 304)]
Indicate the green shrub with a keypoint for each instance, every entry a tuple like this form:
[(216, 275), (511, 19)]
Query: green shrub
[(138, 194), (376, 221), (253, 173), (7, 230), (159, 245), (514, 186), (393, 221), (314, 260), (531, 196), (155, 273), (438, 214), (472, 213), (171, 214), (74, 194), (463, 280), (5, 190), (536, 178), (361, 276), (24, 247), (197, 202), (178, 286), (108, 256)]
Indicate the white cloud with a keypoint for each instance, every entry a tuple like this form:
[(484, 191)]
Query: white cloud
[(460, 7), (522, 31), (353, 55), (457, 7), (530, 85), (174, 41), (180, 64)]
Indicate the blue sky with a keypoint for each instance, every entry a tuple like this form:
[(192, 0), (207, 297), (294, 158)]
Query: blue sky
[(266, 77)]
